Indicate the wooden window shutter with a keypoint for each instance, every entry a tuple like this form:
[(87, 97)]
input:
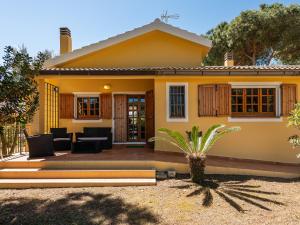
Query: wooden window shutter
[(207, 100), (66, 106), (223, 99), (106, 106), (288, 98), (150, 113), (214, 99)]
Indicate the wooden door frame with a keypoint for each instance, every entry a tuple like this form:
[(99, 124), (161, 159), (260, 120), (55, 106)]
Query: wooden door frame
[(113, 114), (139, 96)]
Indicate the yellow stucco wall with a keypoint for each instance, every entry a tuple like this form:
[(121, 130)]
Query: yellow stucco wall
[(152, 49), (257, 140)]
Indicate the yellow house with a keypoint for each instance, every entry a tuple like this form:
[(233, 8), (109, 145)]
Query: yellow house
[(152, 77)]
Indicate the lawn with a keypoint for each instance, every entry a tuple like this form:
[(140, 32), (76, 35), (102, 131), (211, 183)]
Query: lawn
[(222, 200)]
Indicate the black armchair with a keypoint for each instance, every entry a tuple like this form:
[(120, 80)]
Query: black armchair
[(40, 145), (61, 139)]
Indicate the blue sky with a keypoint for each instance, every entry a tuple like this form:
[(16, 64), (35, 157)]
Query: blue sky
[(35, 23)]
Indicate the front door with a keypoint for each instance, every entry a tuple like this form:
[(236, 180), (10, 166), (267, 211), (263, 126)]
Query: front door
[(120, 118), (136, 125)]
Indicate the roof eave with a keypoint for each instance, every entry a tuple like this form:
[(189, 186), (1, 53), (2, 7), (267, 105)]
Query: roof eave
[(171, 72)]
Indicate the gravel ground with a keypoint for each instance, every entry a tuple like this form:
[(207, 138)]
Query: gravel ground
[(221, 200)]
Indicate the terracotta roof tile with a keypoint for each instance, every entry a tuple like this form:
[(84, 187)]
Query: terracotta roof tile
[(200, 68)]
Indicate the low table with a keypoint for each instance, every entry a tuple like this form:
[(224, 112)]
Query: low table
[(87, 147)]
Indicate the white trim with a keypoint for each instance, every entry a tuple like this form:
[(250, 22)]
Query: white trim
[(275, 85), (86, 94), (155, 25), (126, 143), (86, 121), (186, 99), (246, 84), (253, 120)]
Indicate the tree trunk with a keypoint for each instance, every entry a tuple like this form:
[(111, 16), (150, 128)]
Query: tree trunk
[(270, 57), (253, 61), (1, 139), (14, 140), (197, 167), (254, 54), (4, 144)]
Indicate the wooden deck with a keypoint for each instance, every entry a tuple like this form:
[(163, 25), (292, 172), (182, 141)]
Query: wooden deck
[(122, 157)]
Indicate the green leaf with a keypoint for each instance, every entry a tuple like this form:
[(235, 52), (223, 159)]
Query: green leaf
[(219, 135), (208, 136), (194, 138), (196, 145), (168, 141), (176, 137)]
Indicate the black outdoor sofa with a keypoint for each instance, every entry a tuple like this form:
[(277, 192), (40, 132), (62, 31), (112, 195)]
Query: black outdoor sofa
[(93, 140), (61, 139)]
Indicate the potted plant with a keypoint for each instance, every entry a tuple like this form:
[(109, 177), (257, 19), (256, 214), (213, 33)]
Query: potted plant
[(195, 145)]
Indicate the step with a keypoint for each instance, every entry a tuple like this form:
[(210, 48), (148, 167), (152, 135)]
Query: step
[(78, 164), (38, 173), (59, 183)]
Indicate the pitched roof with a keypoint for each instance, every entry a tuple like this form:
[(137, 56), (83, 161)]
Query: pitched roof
[(157, 24), (293, 70)]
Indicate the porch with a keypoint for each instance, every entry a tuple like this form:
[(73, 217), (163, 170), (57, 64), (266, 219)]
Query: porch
[(130, 157), (76, 102)]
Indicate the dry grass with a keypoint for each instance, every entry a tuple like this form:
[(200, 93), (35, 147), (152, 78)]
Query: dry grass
[(221, 200)]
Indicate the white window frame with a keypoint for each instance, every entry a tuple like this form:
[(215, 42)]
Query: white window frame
[(186, 112), (85, 94), (275, 85)]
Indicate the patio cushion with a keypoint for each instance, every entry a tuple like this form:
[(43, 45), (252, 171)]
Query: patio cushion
[(61, 139), (101, 135), (92, 138), (59, 132), (96, 131)]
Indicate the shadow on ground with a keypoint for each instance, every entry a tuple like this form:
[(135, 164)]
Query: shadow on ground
[(75, 209), (231, 189)]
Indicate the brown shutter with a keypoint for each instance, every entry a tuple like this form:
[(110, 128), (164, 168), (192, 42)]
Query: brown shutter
[(149, 114), (106, 106), (223, 99), (120, 128), (288, 98), (66, 106), (214, 99), (207, 100)]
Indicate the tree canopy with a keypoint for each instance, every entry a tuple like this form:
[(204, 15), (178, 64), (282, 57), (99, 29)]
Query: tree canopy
[(18, 88), (258, 37), (294, 121), (19, 96)]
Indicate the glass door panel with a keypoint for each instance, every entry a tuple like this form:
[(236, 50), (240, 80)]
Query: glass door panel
[(136, 118)]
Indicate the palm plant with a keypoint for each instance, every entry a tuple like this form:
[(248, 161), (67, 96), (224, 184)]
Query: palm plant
[(195, 146)]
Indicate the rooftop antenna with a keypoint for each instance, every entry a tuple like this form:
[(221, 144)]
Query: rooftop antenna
[(165, 16)]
